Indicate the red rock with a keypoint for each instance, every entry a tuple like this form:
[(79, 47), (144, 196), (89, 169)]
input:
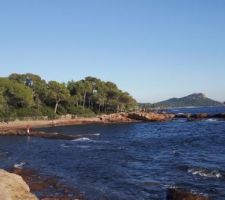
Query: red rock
[(150, 116)]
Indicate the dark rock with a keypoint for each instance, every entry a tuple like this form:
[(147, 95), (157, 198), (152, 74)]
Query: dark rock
[(41, 134), (180, 194), (220, 116), (200, 116)]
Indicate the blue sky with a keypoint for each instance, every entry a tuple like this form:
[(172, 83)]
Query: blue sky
[(154, 49)]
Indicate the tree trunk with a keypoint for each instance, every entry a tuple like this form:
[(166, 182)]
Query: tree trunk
[(89, 102), (84, 100), (117, 108), (56, 106)]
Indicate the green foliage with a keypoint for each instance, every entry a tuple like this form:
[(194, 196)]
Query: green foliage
[(16, 94), (27, 95), (3, 103), (83, 112), (100, 96), (57, 93)]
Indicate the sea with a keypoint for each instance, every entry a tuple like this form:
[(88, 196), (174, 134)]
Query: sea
[(130, 160)]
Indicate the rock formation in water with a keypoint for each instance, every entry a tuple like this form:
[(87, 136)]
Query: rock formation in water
[(180, 194), (150, 116), (13, 187)]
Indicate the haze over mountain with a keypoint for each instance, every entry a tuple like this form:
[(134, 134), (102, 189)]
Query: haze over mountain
[(196, 99)]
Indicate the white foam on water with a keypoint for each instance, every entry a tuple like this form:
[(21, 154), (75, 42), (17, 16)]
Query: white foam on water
[(96, 134), (204, 173), (170, 186), (64, 146), (19, 165), (83, 139), (83, 146), (212, 120)]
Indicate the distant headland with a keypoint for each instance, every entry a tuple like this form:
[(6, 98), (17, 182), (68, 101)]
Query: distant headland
[(192, 100)]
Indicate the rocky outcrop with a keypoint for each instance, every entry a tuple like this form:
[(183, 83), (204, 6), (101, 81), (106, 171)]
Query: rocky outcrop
[(218, 116), (13, 187), (150, 116), (41, 134), (115, 118), (180, 194), (200, 116), (48, 187)]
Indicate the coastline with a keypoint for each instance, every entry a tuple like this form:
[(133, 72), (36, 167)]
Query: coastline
[(138, 116), (23, 124)]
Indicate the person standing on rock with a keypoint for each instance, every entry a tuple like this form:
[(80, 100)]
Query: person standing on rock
[(28, 129)]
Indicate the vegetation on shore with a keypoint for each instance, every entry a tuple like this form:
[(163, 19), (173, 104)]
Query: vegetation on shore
[(28, 95)]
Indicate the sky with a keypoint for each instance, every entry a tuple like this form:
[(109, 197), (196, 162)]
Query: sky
[(154, 49)]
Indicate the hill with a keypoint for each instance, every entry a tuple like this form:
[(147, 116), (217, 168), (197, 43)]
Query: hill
[(196, 99)]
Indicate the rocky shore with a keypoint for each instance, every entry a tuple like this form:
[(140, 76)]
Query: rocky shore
[(40, 134), (13, 187), (47, 187), (19, 128), (24, 128), (66, 120), (23, 184), (150, 116), (201, 116)]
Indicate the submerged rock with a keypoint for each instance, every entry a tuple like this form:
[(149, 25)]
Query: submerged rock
[(180, 194), (40, 134), (200, 116), (48, 187), (13, 187)]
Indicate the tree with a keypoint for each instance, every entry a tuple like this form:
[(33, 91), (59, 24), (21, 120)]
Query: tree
[(126, 102), (3, 102), (34, 82), (83, 88), (57, 92), (29, 95), (17, 94)]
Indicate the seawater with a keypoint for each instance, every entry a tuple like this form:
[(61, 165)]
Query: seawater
[(128, 161)]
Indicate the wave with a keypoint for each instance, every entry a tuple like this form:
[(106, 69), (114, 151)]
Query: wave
[(83, 139), (180, 120), (212, 120), (19, 165), (64, 146), (96, 134), (83, 146), (205, 173)]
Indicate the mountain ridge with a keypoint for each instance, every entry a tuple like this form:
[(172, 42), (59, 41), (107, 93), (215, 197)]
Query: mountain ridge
[(192, 100)]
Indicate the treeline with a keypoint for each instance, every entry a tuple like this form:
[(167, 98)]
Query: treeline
[(28, 95)]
